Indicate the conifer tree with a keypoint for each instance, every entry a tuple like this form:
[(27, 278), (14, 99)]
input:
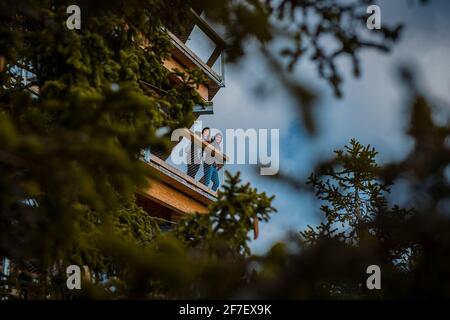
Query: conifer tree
[(237, 211), (69, 152), (351, 190)]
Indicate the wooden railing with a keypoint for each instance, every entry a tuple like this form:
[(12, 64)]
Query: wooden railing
[(206, 147)]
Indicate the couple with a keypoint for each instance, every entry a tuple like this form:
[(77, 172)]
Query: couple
[(194, 154)]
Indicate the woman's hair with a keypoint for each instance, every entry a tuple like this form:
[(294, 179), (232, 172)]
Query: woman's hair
[(215, 136), (205, 128)]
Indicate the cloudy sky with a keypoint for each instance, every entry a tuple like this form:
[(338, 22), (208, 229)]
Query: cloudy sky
[(372, 109)]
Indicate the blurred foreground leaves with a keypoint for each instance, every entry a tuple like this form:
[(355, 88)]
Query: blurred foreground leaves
[(69, 164)]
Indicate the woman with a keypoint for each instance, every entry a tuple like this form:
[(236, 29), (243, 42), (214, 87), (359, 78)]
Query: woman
[(194, 153), (210, 164)]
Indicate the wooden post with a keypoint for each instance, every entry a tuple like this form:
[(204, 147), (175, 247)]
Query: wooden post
[(2, 63)]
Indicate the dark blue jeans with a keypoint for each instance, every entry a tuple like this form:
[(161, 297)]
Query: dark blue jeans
[(210, 171)]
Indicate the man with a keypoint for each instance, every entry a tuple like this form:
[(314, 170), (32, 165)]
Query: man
[(194, 153)]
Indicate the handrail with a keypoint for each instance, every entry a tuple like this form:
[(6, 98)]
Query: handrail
[(191, 136)]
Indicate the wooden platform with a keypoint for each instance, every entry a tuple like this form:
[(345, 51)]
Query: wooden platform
[(175, 191)]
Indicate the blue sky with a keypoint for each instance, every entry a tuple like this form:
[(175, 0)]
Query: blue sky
[(372, 109)]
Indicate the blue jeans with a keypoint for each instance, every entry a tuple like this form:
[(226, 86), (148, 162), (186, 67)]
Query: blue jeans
[(210, 171)]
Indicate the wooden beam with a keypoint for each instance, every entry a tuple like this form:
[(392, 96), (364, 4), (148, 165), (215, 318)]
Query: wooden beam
[(208, 30), (2, 63), (213, 58), (181, 181), (187, 57), (173, 199)]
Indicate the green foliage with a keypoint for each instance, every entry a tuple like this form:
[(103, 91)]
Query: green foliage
[(410, 246), (238, 209), (305, 24), (351, 188), (289, 31), (74, 149)]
